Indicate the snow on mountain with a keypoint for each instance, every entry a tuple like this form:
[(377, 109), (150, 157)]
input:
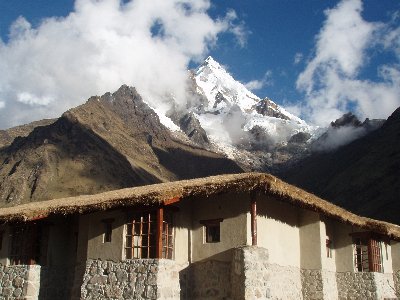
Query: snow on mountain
[(231, 110)]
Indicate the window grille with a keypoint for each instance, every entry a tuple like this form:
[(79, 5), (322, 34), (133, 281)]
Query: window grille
[(167, 237), (25, 244), (367, 254), (141, 235)]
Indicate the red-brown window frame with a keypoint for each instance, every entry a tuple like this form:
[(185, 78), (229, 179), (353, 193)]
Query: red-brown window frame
[(159, 234), (367, 252)]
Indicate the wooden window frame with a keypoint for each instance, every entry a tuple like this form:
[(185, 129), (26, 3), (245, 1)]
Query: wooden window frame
[(208, 225), (153, 236), (28, 245), (368, 256)]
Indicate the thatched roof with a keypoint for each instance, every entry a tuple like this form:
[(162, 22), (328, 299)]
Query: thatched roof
[(160, 193)]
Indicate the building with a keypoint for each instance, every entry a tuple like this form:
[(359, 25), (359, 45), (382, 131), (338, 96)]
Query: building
[(244, 236)]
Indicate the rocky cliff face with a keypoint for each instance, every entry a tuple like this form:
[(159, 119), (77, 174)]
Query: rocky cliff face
[(110, 142), (363, 176)]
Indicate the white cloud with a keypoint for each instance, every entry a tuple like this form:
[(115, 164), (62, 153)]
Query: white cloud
[(254, 84), (298, 57), (331, 80), (101, 45), (336, 137), (239, 30), (258, 84)]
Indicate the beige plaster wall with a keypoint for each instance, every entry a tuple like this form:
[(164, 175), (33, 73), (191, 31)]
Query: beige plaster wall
[(278, 231), (328, 230), (61, 241), (343, 244), (5, 244), (81, 251), (310, 240), (182, 225), (96, 248), (233, 209), (395, 253), (387, 258)]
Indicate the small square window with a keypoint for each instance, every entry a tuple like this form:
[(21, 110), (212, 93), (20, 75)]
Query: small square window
[(212, 230), (107, 236), (212, 233)]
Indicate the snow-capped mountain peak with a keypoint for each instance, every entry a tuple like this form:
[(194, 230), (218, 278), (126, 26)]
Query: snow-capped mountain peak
[(221, 89), (232, 115)]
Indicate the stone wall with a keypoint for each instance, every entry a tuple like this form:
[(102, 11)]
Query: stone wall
[(329, 283), (365, 285), (385, 288), (56, 282), (253, 277), (396, 282), (209, 280), (311, 281), (319, 284), (284, 282), (131, 279), (19, 282)]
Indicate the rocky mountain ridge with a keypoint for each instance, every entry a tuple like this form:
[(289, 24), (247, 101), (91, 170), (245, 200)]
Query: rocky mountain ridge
[(110, 142), (362, 176)]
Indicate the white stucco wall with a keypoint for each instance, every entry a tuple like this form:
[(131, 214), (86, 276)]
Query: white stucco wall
[(182, 225), (310, 240), (387, 261), (278, 231), (61, 241), (343, 244), (233, 209), (395, 253), (328, 230), (96, 249)]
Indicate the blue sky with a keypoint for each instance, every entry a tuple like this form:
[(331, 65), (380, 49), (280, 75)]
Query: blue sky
[(282, 49)]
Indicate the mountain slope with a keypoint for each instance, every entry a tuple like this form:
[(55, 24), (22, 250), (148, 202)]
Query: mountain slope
[(363, 176), (110, 142)]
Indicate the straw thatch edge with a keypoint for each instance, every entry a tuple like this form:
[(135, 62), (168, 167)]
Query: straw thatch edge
[(157, 194)]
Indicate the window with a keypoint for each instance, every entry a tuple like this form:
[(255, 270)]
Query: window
[(107, 230), (149, 234), (367, 253), (212, 230), (329, 248), (167, 237), (28, 244)]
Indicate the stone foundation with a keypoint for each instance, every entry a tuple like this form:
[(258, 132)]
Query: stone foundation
[(285, 282), (319, 284), (396, 281), (250, 273), (19, 282), (365, 285), (209, 280), (131, 279), (253, 277)]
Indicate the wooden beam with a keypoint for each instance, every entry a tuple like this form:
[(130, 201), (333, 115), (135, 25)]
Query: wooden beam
[(253, 213), (160, 219), (172, 200)]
